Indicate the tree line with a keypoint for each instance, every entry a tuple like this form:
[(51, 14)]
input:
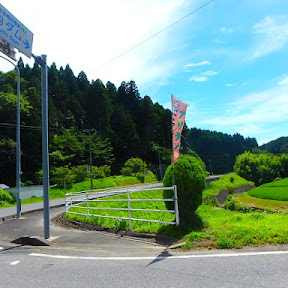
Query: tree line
[(89, 118)]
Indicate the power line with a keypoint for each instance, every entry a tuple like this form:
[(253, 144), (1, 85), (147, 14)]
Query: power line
[(154, 35)]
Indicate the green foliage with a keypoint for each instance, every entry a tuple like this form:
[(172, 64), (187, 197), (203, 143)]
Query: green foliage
[(66, 176), (216, 149), (5, 197), (127, 125), (133, 166), (190, 180), (8, 161), (232, 204), (284, 164), (226, 229), (259, 168), (277, 146)]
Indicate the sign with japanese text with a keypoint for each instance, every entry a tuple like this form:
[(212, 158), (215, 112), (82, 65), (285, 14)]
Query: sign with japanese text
[(178, 119), (15, 33)]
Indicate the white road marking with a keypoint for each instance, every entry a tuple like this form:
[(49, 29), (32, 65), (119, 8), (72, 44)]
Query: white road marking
[(163, 257), (14, 262)]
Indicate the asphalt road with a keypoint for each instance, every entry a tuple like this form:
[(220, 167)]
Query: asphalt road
[(79, 258), (27, 269)]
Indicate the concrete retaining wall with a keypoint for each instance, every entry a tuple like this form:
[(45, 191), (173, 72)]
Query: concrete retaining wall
[(27, 192), (223, 194)]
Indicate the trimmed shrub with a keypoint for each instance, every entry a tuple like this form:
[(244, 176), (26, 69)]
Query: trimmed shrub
[(190, 180)]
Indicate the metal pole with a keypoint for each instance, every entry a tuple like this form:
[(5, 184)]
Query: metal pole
[(129, 210), (18, 148), (176, 205), (45, 155)]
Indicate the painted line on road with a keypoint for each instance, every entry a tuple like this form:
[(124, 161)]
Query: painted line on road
[(163, 257), (14, 262)]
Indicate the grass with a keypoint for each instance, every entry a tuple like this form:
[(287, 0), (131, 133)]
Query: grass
[(225, 182), (108, 182), (222, 229), (230, 229), (263, 204), (277, 190), (123, 224)]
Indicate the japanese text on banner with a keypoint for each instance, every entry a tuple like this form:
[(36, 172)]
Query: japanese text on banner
[(178, 119)]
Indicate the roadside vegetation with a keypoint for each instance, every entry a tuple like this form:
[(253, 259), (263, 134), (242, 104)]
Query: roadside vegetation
[(227, 181), (101, 183), (257, 217)]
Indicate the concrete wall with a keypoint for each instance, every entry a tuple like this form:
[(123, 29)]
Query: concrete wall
[(27, 192)]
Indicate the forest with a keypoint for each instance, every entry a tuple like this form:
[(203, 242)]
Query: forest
[(118, 123)]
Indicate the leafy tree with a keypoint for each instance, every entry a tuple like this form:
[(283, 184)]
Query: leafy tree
[(8, 161), (133, 166), (258, 168), (189, 177)]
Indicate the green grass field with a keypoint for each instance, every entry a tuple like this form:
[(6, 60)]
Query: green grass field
[(277, 190), (122, 223)]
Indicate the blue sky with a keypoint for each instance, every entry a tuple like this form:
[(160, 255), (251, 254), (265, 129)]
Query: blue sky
[(228, 61)]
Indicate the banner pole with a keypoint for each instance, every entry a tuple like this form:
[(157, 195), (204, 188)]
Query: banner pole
[(173, 175)]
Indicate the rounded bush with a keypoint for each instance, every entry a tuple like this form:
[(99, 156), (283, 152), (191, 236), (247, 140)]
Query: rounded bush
[(189, 177)]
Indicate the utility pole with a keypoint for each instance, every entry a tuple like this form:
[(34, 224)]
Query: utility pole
[(18, 146), (90, 157)]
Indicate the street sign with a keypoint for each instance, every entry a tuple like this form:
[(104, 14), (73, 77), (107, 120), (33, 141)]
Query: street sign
[(15, 33)]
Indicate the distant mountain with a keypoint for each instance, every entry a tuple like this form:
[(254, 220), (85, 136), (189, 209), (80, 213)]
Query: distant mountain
[(277, 146)]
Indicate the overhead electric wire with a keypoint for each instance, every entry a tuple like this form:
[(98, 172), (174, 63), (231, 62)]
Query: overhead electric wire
[(154, 35)]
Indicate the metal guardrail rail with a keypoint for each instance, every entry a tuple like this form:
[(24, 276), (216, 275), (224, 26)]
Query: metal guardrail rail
[(77, 199)]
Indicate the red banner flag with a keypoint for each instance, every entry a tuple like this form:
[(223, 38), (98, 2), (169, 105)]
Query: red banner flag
[(178, 119)]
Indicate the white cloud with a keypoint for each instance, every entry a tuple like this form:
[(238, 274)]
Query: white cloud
[(271, 35), (198, 64), (198, 78), (226, 30), (90, 35), (253, 114), (209, 73), (231, 84), (283, 81)]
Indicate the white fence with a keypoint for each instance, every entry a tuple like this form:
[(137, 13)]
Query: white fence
[(77, 199)]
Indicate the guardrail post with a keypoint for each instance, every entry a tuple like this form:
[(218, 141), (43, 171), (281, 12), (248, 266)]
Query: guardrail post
[(129, 209), (176, 205), (66, 204), (87, 204)]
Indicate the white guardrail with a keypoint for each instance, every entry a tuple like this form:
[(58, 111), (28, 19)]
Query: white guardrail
[(77, 199)]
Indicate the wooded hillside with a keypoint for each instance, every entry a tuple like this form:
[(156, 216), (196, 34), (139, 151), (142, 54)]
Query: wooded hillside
[(122, 124)]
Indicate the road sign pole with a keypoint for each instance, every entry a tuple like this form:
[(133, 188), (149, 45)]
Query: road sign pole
[(18, 148), (42, 61), (45, 155)]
